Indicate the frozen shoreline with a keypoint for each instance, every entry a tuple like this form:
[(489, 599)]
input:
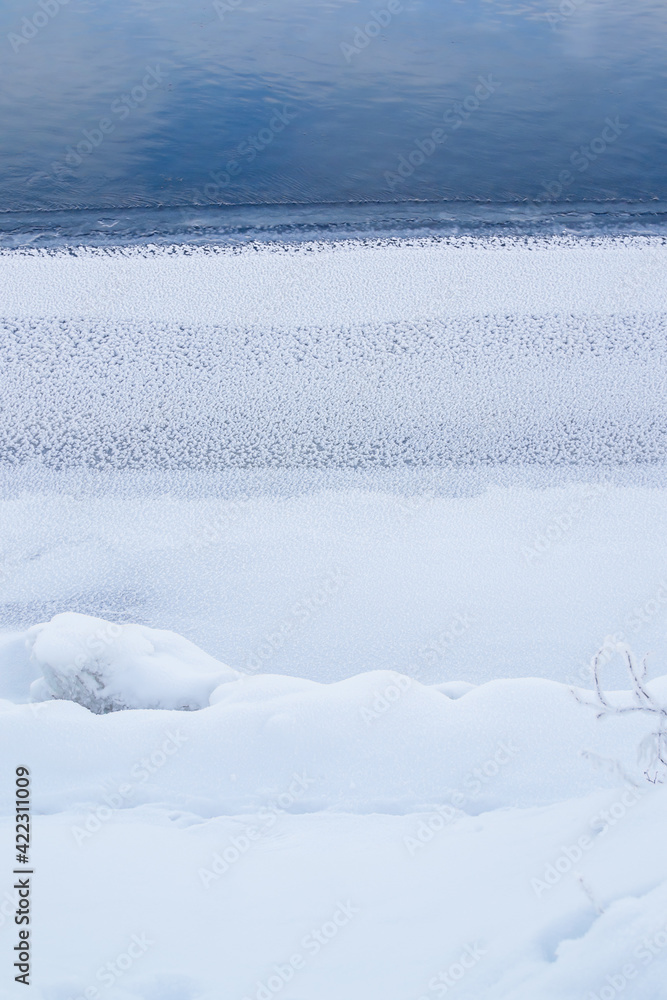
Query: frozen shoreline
[(354, 355), (325, 581), (378, 728)]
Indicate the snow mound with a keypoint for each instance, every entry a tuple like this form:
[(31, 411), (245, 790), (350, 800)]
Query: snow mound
[(453, 689), (377, 742), (106, 667)]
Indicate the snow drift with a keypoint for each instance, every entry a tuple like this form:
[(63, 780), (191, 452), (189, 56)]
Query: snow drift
[(495, 842), (106, 667), (378, 741)]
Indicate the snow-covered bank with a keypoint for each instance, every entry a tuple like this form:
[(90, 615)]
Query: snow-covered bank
[(299, 839), (376, 742), (481, 895), (373, 743)]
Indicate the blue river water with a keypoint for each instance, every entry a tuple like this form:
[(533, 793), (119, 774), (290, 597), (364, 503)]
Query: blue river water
[(189, 106)]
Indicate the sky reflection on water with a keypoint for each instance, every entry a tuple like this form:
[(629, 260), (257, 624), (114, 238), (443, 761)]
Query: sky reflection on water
[(260, 102)]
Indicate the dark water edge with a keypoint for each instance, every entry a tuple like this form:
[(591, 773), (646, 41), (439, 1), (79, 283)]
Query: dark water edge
[(239, 225)]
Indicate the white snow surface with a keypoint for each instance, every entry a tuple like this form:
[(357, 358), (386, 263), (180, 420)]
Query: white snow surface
[(378, 354), (412, 803), (340, 283), (297, 839), (328, 580)]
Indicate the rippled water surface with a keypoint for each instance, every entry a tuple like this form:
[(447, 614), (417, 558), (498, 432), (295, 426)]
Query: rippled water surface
[(245, 102)]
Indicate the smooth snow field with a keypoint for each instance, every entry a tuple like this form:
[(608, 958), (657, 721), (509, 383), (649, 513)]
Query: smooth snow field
[(305, 554)]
